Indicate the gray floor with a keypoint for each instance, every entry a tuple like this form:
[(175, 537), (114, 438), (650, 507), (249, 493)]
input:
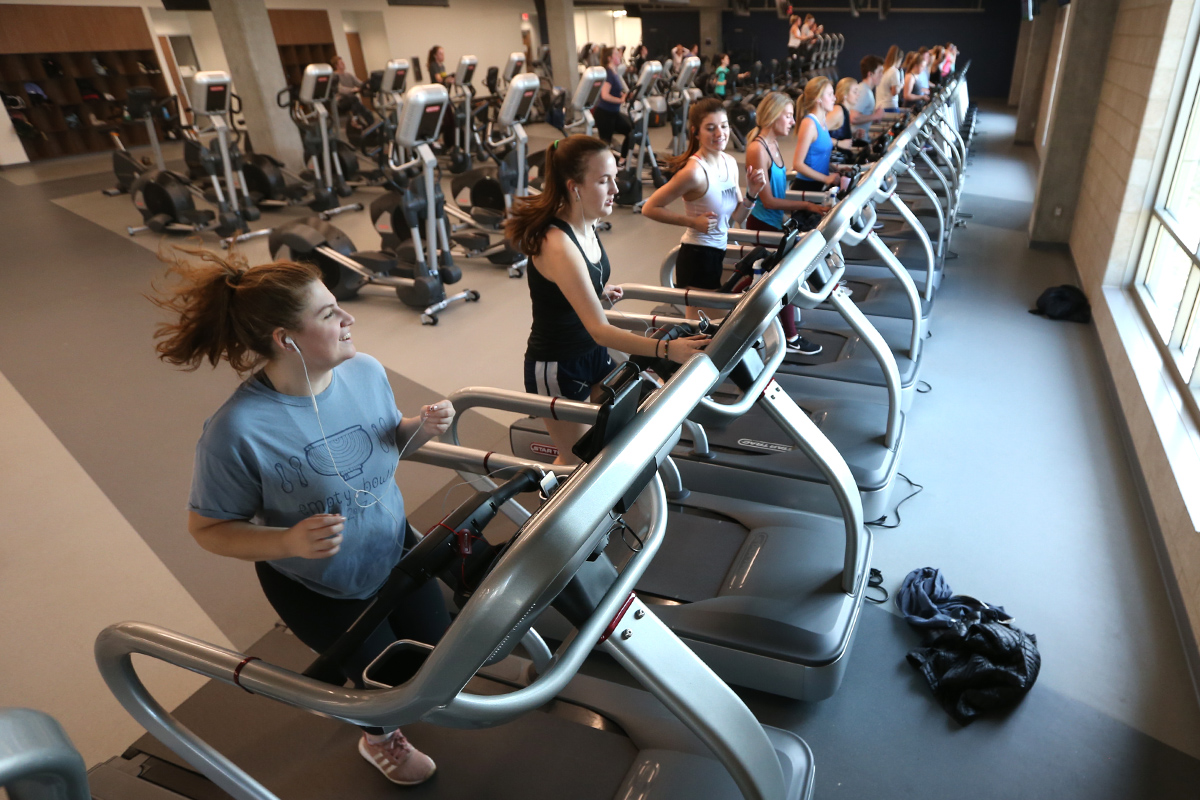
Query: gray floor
[(1029, 501)]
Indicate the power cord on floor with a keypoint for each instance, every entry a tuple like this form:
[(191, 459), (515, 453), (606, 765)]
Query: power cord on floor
[(881, 522), (927, 388), (875, 581)]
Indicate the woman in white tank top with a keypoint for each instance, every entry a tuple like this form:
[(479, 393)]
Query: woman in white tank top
[(706, 178)]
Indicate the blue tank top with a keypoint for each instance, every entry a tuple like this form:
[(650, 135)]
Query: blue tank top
[(820, 149), (777, 177)]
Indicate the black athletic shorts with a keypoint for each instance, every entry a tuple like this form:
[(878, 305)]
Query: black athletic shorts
[(699, 267), (572, 378)]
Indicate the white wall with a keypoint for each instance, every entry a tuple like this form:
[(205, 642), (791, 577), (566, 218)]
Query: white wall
[(601, 27), (487, 30), (370, 28)]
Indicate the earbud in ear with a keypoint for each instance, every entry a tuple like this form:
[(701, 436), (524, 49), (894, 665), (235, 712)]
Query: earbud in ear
[(288, 341), (577, 197)]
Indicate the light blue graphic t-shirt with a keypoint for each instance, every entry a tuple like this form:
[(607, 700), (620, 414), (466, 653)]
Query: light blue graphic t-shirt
[(262, 458)]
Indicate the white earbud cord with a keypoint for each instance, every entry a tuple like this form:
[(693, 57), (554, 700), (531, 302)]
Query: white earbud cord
[(312, 396)]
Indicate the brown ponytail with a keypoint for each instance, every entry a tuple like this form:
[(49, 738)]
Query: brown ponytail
[(566, 159), (699, 110), (227, 309)]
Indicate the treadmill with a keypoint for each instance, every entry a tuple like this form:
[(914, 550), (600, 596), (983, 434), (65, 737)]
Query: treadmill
[(528, 720), (768, 595)]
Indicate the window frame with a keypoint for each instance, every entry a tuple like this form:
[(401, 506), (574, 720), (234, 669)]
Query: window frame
[(1184, 360)]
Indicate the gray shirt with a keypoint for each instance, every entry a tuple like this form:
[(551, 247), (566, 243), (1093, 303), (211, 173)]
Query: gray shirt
[(263, 458)]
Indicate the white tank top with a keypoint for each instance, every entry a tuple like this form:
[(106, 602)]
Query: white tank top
[(720, 198)]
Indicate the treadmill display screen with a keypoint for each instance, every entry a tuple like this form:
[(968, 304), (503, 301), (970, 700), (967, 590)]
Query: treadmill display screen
[(217, 98), (593, 94), (468, 74), (399, 80), (526, 103), (321, 87), (428, 128)]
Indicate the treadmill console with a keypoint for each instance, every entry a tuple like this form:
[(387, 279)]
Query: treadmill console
[(650, 71), (213, 88), (317, 84), (421, 117), (587, 91), (687, 72), (466, 71), (395, 76), (518, 100), (516, 63)]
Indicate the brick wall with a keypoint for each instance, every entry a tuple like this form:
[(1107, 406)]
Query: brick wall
[(1128, 130), (1113, 207)]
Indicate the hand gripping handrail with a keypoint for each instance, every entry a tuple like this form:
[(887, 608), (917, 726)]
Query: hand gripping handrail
[(552, 545)]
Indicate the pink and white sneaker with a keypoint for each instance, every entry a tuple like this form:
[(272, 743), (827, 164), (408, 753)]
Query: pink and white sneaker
[(398, 760)]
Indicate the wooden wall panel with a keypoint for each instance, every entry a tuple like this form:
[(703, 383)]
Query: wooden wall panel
[(60, 29), (300, 26)]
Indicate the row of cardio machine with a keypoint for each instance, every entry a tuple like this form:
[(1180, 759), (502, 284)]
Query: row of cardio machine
[(688, 583), (224, 171), (421, 230)]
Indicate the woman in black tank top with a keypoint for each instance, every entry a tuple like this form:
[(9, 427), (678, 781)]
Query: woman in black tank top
[(567, 351)]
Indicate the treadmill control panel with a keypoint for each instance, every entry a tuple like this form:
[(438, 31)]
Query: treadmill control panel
[(587, 91), (518, 100), (421, 116), (214, 91), (466, 70), (317, 84), (395, 76)]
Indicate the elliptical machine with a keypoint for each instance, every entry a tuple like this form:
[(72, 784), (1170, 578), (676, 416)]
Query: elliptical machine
[(418, 280), (679, 100), (140, 104), (491, 188), (220, 159), (462, 106), (310, 112), (165, 199), (587, 93), (629, 179)]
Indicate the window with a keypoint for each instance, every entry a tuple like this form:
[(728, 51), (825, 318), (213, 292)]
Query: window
[(1168, 281)]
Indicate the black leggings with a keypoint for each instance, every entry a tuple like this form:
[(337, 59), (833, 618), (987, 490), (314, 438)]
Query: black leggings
[(318, 620), (610, 122)]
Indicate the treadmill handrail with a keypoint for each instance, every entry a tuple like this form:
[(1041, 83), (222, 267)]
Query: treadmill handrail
[(37, 758), (519, 402), (472, 710), (555, 541), (688, 297), (710, 412)]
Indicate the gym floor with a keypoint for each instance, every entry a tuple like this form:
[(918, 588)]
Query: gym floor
[(1029, 500)]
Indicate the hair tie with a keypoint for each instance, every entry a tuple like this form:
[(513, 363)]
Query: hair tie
[(555, 145), (234, 278)]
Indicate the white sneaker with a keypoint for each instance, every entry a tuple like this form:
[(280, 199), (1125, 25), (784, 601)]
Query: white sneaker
[(398, 760)]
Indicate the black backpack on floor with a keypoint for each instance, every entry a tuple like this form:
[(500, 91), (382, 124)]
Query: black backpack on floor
[(1064, 302)]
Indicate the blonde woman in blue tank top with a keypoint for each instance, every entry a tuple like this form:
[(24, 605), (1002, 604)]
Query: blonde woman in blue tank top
[(776, 117), (706, 178), (811, 160)]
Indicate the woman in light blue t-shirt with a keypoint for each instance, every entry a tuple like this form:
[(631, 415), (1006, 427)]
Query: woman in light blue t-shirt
[(296, 470)]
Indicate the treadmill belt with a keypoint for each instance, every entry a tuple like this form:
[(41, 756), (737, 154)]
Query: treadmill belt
[(298, 755), (831, 343), (692, 563)]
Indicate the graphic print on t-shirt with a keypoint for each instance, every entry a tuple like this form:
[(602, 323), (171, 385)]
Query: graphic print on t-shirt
[(346, 453)]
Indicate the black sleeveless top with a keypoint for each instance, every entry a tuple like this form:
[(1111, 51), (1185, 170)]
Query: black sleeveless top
[(557, 333), (844, 131)]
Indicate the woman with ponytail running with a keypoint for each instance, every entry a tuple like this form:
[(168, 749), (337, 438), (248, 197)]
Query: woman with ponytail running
[(568, 274), (775, 119), (296, 471), (706, 177)]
